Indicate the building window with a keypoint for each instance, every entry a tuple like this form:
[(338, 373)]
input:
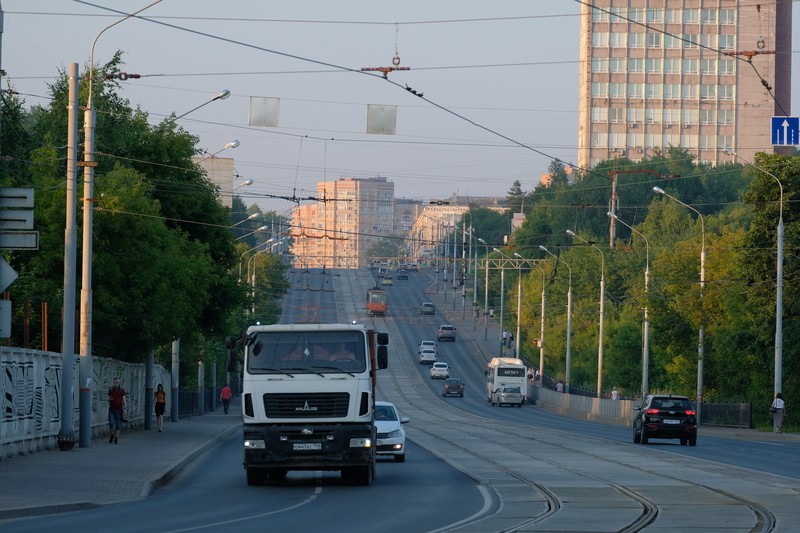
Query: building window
[(691, 16), (708, 66), (636, 14), (727, 67), (708, 116), (689, 91), (599, 115), (690, 41), (708, 92), (654, 115), (655, 15), (636, 40), (618, 64), (655, 65), (635, 139), (654, 91), (636, 65), (689, 116), (726, 141), (619, 40), (672, 65), (672, 116), (691, 66), (727, 17), (726, 92), (653, 140), (617, 115), (600, 64), (672, 16), (688, 141), (707, 142), (672, 91), (708, 16), (616, 90), (727, 42), (673, 42), (600, 40), (618, 14), (635, 115), (654, 40), (599, 90), (709, 40), (725, 116), (616, 140), (599, 139), (635, 90), (599, 15)]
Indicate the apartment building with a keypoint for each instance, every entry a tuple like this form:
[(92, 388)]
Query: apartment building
[(693, 74), (337, 230)]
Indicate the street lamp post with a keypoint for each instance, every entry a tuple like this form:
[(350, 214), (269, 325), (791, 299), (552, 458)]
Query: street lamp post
[(568, 362), (502, 297), (700, 342), (778, 384), (85, 381), (602, 311), (222, 95), (262, 228), (485, 292), (646, 321)]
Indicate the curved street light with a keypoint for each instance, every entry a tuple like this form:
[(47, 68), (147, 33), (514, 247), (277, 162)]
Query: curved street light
[(646, 321), (602, 311), (568, 362), (541, 319), (222, 95), (700, 342), (778, 384), (485, 291), (502, 296), (233, 144)]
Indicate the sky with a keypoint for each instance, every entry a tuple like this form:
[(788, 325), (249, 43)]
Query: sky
[(499, 81)]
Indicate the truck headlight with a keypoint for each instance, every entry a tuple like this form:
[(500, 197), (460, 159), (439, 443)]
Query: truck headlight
[(361, 442), (254, 444)]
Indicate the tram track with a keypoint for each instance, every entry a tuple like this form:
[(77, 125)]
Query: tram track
[(551, 449)]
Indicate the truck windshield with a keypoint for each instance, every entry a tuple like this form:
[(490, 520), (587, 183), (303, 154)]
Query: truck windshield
[(307, 352)]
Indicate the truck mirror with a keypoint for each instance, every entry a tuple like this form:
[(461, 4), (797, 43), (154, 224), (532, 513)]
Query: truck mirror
[(383, 357), (231, 360), (383, 339)]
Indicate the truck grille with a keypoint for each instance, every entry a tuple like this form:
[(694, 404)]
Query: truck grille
[(310, 405)]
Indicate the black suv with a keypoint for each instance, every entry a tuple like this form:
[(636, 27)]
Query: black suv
[(665, 417)]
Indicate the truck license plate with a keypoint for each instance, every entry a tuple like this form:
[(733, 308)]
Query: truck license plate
[(299, 446)]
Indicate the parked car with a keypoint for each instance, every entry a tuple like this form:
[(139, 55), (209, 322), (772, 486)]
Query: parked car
[(453, 387), (440, 371), (391, 435), (427, 357), (446, 333), (507, 396), (665, 417), (427, 308), (427, 345)]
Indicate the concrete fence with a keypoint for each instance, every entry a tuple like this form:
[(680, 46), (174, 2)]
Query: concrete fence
[(31, 389)]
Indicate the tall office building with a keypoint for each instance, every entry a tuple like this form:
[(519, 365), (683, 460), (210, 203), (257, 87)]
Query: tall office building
[(685, 73), (350, 216)]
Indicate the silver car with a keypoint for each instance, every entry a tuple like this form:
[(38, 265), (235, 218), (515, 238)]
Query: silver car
[(427, 357), (507, 396)]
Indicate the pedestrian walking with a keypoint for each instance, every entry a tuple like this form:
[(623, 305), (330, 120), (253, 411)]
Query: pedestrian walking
[(225, 397), (778, 410), (161, 406), (116, 410)]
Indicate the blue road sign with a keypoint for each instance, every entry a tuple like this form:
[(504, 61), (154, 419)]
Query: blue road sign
[(785, 130)]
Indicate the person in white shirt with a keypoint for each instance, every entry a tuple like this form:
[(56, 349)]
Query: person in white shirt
[(777, 410), (614, 394)]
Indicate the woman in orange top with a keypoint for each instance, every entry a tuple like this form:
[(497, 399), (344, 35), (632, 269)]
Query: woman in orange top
[(161, 406)]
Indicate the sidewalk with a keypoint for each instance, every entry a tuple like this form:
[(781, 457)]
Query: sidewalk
[(53, 481)]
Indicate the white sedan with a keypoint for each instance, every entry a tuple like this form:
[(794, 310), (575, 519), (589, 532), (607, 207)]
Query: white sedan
[(427, 357), (440, 370), (391, 435), (427, 345)]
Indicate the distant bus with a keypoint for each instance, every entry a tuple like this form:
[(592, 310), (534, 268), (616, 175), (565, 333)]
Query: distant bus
[(377, 302), (505, 372)]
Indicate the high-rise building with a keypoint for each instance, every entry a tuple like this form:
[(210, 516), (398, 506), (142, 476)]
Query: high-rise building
[(349, 217), (702, 75)]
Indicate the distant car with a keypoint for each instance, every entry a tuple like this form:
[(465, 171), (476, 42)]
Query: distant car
[(391, 435), (453, 387), (402, 274), (665, 416), (427, 308), (387, 280), (427, 356), (446, 333), (440, 371), (430, 345), (507, 396), (413, 267), (382, 271)]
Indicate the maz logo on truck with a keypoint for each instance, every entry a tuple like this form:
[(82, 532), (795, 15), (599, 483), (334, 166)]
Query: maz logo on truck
[(306, 408)]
